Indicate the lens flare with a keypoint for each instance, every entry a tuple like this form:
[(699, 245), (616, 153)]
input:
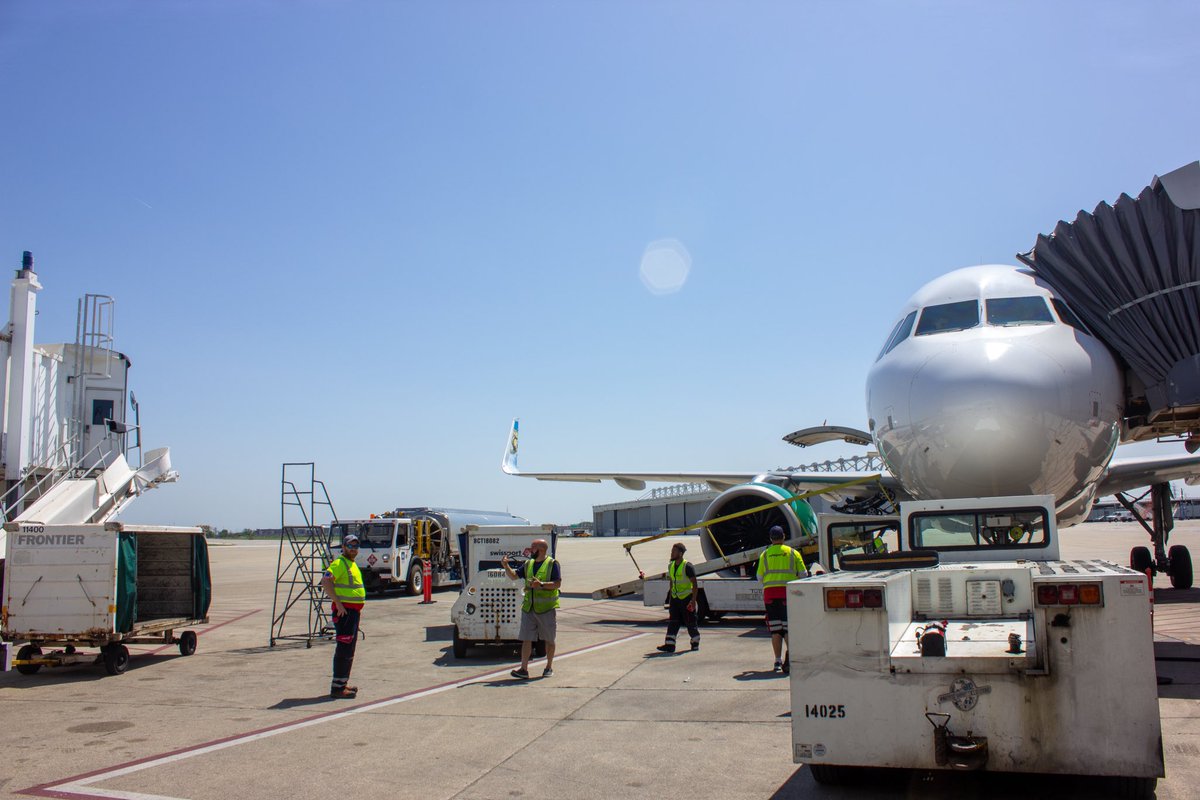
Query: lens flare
[(665, 266)]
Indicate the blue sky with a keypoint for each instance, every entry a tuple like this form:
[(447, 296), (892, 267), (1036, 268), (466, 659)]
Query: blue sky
[(370, 234)]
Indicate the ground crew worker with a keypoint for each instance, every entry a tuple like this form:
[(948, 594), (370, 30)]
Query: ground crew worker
[(776, 566), (343, 583), (681, 599), (539, 618)]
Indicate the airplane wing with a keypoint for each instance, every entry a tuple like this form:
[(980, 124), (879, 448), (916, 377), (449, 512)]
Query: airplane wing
[(1133, 473), (719, 481)]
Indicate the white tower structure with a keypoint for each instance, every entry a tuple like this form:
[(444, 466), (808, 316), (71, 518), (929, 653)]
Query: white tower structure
[(20, 370)]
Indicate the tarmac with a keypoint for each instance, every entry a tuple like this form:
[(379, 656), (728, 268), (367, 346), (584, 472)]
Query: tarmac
[(240, 719)]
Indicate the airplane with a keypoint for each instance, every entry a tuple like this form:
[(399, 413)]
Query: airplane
[(988, 385)]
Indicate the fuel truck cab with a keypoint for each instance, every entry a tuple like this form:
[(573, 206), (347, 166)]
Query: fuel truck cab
[(996, 656)]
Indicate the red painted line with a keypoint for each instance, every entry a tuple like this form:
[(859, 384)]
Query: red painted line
[(207, 629), (48, 789)]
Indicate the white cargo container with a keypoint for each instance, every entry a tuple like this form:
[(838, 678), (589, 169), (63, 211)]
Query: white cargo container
[(1001, 657), (101, 585)]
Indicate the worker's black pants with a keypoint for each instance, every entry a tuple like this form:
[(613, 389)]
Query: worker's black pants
[(680, 616), (346, 634)]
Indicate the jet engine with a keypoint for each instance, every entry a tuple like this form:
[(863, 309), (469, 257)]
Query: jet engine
[(753, 530)]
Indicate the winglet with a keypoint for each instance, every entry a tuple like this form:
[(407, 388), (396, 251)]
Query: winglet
[(509, 463)]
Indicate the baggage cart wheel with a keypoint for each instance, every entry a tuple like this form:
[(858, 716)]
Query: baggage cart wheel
[(116, 658), (28, 651), (1140, 559), (539, 649), (460, 645), (703, 614), (1181, 566), (187, 643), (416, 578)]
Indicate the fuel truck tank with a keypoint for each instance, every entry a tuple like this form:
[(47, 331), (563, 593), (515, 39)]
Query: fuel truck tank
[(753, 530), (446, 523)]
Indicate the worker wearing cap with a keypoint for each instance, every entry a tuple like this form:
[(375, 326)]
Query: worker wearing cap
[(681, 599), (539, 617), (776, 566), (343, 583)]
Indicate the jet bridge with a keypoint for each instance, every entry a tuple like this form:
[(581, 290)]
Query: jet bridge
[(1131, 271)]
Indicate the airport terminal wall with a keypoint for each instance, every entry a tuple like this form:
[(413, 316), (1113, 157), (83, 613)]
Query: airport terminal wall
[(655, 511)]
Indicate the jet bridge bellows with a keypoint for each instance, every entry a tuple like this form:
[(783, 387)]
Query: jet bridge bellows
[(1131, 271)]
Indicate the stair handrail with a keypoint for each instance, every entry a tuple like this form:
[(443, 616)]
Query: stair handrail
[(59, 474)]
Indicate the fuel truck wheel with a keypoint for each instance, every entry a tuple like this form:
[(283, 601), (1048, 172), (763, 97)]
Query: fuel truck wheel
[(1181, 567), (416, 578), (1140, 559), (116, 658), (28, 651)]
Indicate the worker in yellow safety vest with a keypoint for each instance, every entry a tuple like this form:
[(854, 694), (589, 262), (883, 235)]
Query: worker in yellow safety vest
[(343, 583), (776, 566), (682, 595), (539, 616)]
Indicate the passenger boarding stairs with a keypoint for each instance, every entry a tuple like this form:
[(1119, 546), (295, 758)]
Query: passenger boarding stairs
[(78, 496)]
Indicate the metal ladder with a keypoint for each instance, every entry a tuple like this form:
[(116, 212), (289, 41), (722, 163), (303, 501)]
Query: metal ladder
[(298, 579)]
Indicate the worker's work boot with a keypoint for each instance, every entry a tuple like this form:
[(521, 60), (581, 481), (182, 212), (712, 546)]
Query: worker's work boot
[(778, 665), (666, 648), (695, 646), (520, 674), (344, 693)]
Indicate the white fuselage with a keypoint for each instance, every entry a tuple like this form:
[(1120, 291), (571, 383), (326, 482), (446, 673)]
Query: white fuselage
[(1019, 402)]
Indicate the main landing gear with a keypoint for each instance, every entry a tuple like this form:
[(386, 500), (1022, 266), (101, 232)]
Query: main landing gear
[(1176, 561)]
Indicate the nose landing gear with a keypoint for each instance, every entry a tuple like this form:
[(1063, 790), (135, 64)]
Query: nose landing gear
[(1176, 561)]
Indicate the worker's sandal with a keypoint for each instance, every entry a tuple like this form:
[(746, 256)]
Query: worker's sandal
[(522, 674)]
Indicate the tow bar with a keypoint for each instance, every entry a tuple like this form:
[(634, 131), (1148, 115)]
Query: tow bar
[(957, 752)]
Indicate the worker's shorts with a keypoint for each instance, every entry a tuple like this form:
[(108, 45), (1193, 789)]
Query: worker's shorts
[(777, 616), (538, 626)]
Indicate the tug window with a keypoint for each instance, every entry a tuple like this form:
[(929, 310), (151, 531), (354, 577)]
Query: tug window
[(963, 530), (1018, 311), (949, 317)]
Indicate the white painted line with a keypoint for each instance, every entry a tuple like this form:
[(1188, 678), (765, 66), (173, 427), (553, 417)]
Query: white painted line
[(82, 787)]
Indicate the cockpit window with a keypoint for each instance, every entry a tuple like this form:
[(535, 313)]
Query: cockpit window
[(1018, 311), (899, 334), (1067, 315), (949, 317)]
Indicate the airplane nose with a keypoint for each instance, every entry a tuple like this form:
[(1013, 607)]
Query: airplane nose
[(994, 418)]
